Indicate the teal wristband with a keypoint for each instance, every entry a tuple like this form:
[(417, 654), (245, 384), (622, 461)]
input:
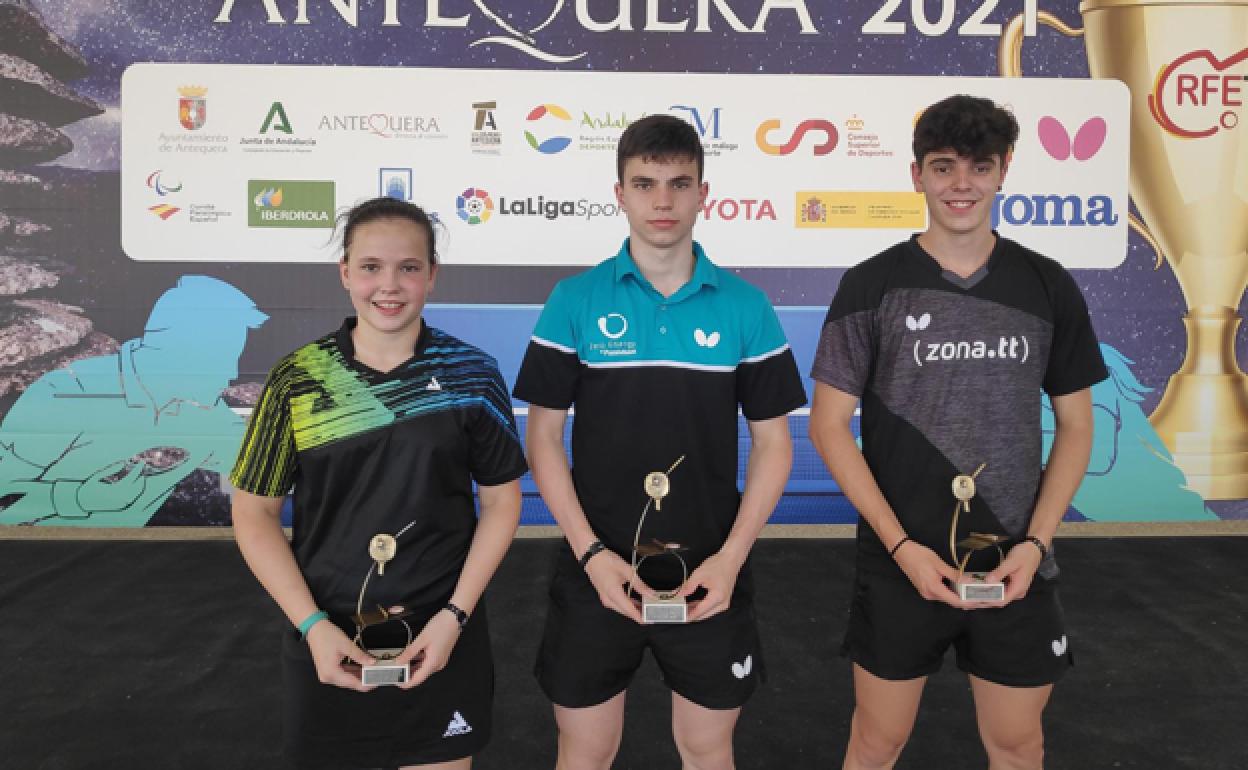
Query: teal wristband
[(312, 620)]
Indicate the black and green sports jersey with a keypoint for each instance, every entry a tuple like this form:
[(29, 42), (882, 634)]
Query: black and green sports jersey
[(652, 379), (370, 453), (950, 372)]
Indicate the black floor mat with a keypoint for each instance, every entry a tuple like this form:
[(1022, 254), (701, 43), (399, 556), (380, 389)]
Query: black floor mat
[(164, 655)]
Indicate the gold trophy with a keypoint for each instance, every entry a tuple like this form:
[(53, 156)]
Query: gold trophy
[(668, 606), (1184, 63), (381, 548), (971, 586)]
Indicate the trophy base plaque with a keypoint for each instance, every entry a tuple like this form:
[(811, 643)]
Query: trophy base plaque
[(664, 610), (385, 671), (972, 588)]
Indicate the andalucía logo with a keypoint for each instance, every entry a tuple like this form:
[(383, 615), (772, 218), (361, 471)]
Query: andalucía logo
[(192, 107), (276, 120), (290, 203), (1196, 96), (540, 120), (474, 206)]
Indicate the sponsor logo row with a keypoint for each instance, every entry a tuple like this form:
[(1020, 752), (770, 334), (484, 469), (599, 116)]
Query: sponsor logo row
[(302, 204), (547, 129), (551, 129)]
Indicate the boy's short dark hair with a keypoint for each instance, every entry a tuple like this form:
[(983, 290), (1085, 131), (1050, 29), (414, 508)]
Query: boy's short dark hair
[(972, 127), (658, 137)]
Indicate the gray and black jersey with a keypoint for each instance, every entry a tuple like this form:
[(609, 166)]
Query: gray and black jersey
[(950, 372)]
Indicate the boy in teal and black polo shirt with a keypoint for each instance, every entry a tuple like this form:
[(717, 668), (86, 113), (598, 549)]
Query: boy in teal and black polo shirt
[(657, 348)]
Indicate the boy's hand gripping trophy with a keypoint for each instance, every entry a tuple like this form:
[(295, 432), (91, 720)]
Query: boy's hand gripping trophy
[(971, 585), (667, 606)]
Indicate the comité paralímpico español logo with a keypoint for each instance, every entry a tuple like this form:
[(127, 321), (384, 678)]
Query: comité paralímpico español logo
[(290, 203)]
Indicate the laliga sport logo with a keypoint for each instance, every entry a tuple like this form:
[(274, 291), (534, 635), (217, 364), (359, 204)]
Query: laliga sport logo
[(814, 125), (474, 206), (1195, 96), (550, 145)]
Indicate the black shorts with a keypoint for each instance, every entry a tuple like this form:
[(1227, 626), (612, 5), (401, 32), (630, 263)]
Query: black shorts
[(896, 634), (589, 653), (446, 718)]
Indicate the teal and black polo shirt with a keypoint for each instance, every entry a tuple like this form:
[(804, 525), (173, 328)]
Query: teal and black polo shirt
[(652, 379)]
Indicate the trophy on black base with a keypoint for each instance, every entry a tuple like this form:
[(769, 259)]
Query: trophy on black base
[(382, 548), (668, 606), (971, 586)]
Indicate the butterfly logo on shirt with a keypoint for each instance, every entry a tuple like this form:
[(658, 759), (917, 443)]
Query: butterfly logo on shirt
[(705, 340), (742, 670), (918, 324)]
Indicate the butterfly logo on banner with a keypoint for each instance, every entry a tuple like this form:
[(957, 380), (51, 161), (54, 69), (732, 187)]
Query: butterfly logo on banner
[(1057, 142), (520, 40)]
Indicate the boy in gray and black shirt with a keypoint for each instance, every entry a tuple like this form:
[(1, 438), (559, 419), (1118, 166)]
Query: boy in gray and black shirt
[(948, 339)]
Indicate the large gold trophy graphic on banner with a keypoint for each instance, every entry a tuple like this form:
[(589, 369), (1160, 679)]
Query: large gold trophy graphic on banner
[(1185, 63)]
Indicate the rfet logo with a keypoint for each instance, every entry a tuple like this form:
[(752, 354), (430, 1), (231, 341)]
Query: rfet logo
[(1196, 95), (824, 129)]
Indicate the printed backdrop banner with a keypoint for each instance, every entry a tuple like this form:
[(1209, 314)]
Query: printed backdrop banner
[(239, 163), (169, 173)]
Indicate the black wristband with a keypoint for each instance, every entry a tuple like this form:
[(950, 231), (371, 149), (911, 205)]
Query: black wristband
[(1038, 543), (594, 548), (900, 543), (461, 617)]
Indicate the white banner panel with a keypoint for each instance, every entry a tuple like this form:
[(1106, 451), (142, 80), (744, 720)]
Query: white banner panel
[(226, 162)]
